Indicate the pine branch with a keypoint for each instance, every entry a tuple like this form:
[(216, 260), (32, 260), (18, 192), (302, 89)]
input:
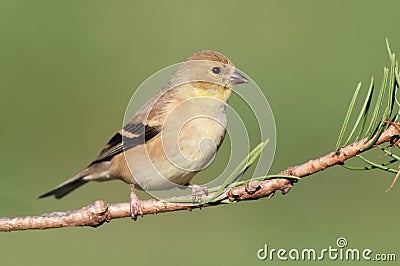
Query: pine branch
[(100, 211)]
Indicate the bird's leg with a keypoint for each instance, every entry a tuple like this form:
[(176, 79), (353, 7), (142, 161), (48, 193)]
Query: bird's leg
[(136, 206), (197, 192)]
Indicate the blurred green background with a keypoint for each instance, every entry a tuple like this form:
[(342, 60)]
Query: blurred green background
[(68, 69)]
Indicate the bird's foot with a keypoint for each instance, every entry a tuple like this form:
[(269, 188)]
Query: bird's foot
[(136, 206), (197, 193)]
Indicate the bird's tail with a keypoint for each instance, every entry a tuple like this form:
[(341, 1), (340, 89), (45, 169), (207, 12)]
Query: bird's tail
[(97, 172), (66, 187)]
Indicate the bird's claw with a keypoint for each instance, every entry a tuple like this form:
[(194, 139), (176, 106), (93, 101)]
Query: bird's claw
[(197, 193), (135, 206)]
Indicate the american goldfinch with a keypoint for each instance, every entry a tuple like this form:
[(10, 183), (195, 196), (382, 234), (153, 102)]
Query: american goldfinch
[(173, 136)]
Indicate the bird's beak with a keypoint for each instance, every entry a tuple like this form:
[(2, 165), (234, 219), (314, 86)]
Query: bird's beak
[(237, 78)]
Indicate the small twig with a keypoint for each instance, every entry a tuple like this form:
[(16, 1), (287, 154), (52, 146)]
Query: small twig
[(393, 144), (99, 212), (394, 181)]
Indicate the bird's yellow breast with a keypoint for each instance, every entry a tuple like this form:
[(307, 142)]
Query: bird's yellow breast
[(202, 89)]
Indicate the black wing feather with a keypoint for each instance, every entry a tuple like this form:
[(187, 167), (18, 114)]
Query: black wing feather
[(118, 143)]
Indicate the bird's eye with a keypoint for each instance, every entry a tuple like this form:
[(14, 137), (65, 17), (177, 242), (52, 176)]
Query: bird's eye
[(216, 70)]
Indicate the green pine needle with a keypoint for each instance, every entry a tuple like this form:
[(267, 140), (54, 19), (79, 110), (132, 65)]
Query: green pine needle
[(347, 117)]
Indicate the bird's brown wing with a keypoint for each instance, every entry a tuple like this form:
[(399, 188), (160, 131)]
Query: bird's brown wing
[(132, 135)]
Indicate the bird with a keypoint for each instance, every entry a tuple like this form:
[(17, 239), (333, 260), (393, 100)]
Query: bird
[(175, 135)]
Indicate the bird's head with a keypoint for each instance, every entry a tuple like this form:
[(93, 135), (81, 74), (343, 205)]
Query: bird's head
[(211, 67), (205, 73)]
